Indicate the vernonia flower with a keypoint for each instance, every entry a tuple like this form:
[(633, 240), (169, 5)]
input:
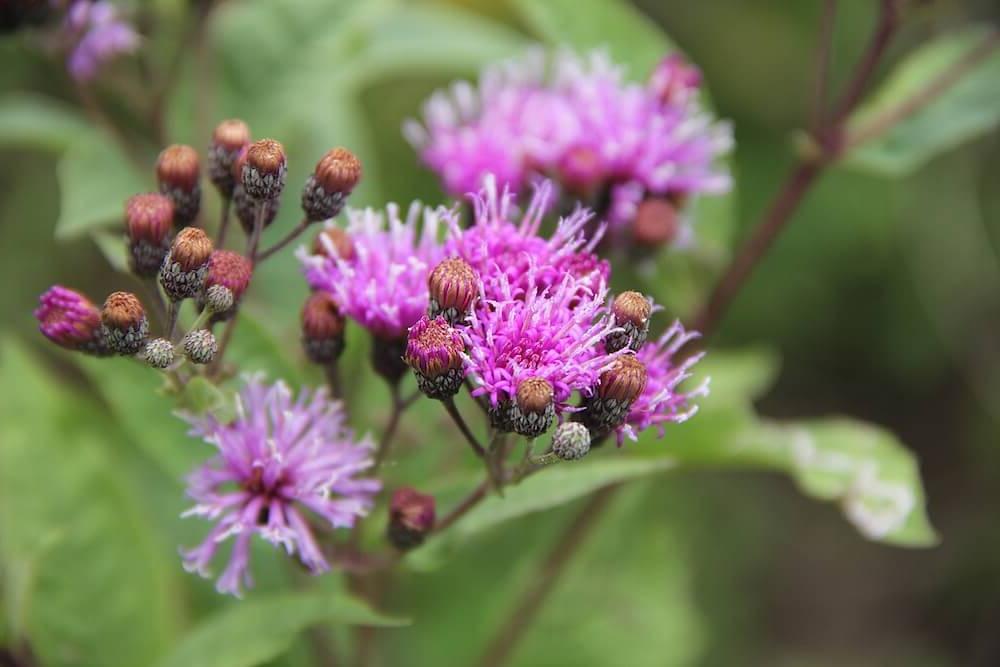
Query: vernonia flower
[(383, 284), (100, 35), (69, 319), (277, 460)]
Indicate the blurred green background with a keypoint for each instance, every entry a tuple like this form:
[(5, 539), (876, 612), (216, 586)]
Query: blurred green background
[(882, 301)]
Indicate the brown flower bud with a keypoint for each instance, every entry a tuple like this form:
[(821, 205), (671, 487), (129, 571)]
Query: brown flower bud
[(533, 409), (411, 518), (124, 323), (322, 328), (334, 241), (185, 266), (148, 223), (618, 388), (656, 224), (228, 140), (178, 170), (263, 172), (453, 286), (229, 271), (631, 311), (336, 175)]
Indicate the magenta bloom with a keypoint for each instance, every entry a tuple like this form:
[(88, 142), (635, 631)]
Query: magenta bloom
[(383, 285), (278, 458), (70, 320), (661, 402), (577, 120), (99, 36)]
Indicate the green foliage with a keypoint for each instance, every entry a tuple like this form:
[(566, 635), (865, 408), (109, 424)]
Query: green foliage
[(34, 121), (967, 109)]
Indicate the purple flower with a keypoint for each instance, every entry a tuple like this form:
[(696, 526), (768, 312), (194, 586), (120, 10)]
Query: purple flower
[(660, 401), (276, 459), (99, 36), (577, 120), (70, 320), (383, 285)]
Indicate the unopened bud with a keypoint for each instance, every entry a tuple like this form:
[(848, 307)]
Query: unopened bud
[(226, 280), (124, 323), (158, 353), (571, 441), (264, 170), (336, 175), (533, 410), (200, 346), (656, 224), (631, 311), (411, 518), (228, 139), (618, 388), (246, 206), (322, 329), (185, 266), (177, 171), (69, 319), (148, 223), (387, 358), (434, 352), (453, 287), (581, 170), (334, 242)]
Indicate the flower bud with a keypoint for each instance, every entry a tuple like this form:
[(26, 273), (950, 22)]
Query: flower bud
[(70, 320), (434, 352), (200, 346), (226, 280), (185, 266), (264, 170), (571, 441), (674, 80), (245, 207), (387, 358), (336, 175), (618, 388), (178, 170), (148, 223), (656, 224), (322, 329), (631, 311), (334, 241), (581, 170), (533, 409), (158, 353), (123, 323), (228, 139), (453, 287), (411, 518)]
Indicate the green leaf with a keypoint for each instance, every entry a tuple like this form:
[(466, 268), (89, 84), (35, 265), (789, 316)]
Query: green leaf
[(38, 122), (95, 179), (630, 37), (967, 109), (79, 554), (253, 632), (112, 246)]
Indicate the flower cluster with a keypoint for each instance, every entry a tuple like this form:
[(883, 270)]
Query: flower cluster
[(98, 34), (576, 119)]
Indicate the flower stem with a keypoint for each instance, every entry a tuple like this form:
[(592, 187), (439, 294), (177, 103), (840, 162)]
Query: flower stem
[(173, 310), (227, 203), (289, 238), (449, 406), (474, 498), (385, 443), (258, 228)]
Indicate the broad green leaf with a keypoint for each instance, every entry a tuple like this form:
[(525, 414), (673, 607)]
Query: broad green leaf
[(631, 38), (91, 581), (38, 122), (967, 109), (112, 246), (95, 179), (256, 631)]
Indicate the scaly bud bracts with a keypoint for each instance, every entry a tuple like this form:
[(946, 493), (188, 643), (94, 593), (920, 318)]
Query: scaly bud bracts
[(631, 311), (148, 223), (387, 358), (200, 346), (571, 441), (158, 353), (246, 209), (656, 224), (226, 280), (183, 272), (123, 323), (434, 351), (334, 241), (411, 518), (228, 139), (70, 320), (532, 411), (453, 286), (336, 175), (264, 169), (619, 387), (322, 329), (178, 171)]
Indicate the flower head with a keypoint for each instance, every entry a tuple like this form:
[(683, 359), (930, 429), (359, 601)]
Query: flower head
[(383, 284), (279, 458), (99, 36), (70, 320)]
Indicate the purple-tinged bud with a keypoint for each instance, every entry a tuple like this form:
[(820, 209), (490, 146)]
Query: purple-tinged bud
[(453, 287), (229, 138), (226, 280), (656, 224), (411, 518), (185, 266), (618, 388), (70, 320), (264, 169), (334, 241), (322, 329), (434, 352), (533, 411), (158, 353), (178, 171), (245, 207), (631, 311), (335, 177), (123, 323), (571, 441), (200, 346), (148, 222), (674, 80)]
